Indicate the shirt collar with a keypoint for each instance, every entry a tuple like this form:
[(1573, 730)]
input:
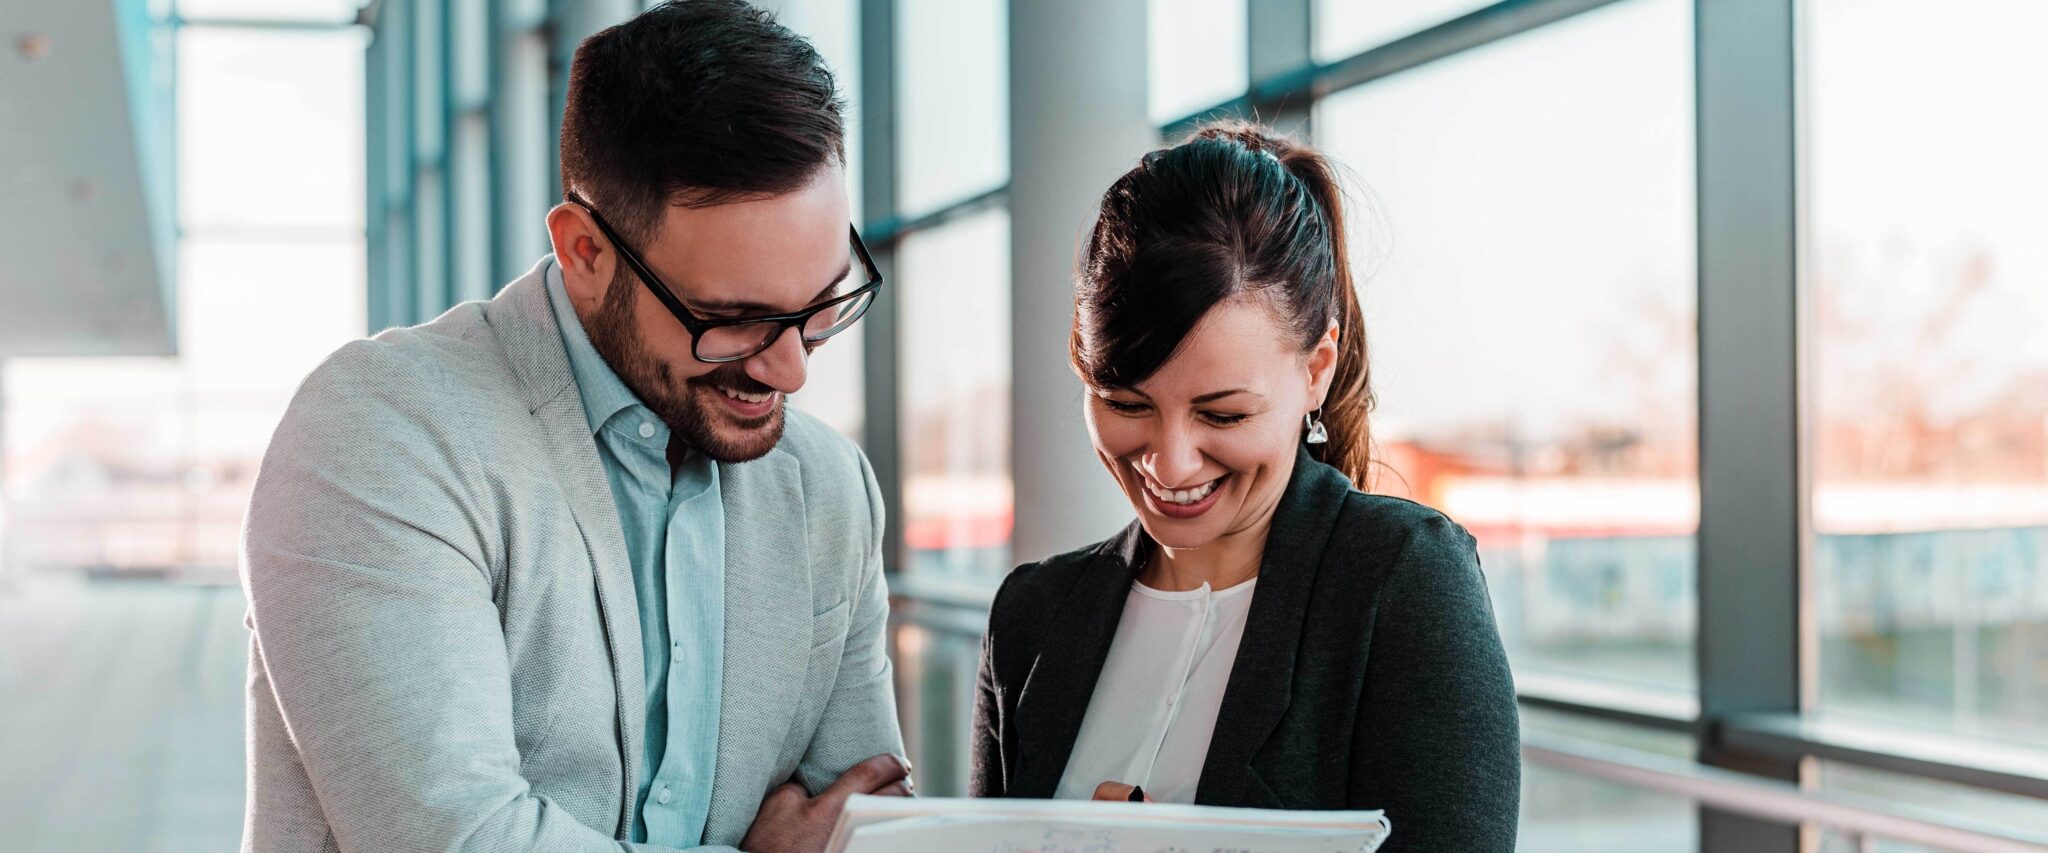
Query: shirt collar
[(604, 394)]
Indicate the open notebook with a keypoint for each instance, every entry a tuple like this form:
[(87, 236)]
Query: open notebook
[(938, 825)]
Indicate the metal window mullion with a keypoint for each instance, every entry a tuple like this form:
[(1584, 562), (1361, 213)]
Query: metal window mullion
[(451, 203), (376, 236), (881, 430), (519, 134), (1280, 41), (1752, 534), (1308, 80), (494, 197)]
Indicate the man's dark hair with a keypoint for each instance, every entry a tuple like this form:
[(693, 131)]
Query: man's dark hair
[(697, 103)]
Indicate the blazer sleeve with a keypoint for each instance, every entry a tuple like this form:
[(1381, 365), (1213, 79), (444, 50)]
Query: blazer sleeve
[(859, 721), (1437, 743), (985, 743), (376, 636)]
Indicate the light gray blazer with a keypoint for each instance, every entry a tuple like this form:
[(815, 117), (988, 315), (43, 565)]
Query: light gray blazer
[(446, 647)]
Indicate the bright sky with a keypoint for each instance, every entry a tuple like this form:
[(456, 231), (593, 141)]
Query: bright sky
[(1525, 216)]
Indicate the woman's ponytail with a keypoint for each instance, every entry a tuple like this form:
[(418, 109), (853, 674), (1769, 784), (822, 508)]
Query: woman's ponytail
[(1347, 408)]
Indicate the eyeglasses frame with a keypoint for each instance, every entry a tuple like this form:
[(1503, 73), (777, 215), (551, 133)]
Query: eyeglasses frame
[(698, 326)]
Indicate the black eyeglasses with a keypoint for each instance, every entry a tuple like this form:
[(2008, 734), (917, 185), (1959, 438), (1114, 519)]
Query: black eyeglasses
[(720, 340)]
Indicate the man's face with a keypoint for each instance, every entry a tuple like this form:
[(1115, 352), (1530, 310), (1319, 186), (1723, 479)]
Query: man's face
[(746, 258)]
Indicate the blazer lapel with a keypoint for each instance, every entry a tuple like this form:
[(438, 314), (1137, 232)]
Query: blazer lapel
[(1056, 692), (768, 602), (1262, 677), (525, 322)]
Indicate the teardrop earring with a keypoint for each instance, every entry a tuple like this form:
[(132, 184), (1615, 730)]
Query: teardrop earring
[(1316, 433)]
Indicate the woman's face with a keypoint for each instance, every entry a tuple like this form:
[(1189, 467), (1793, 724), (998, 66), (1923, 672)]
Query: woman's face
[(1204, 447)]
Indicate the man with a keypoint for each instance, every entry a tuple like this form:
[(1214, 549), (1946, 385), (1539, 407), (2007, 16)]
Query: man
[(559, 571)]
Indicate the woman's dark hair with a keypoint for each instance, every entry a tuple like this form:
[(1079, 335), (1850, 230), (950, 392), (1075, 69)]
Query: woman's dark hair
[(695, 102), (1235, 210)]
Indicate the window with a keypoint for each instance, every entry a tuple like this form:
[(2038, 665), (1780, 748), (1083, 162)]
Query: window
[(1524, 240), (245, 140), (469, 28), (1345, 27), (1195, 54), (325, 11), (954, 292), (937, 660), (1983, 808), (1930, 294), (833, 27), (470, 167), (526, 185), (832, 389), (143, 466), (953, 110), (1563, 812)]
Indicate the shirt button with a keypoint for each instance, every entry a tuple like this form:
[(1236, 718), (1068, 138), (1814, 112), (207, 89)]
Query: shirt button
[(663, 796), (646, 429)]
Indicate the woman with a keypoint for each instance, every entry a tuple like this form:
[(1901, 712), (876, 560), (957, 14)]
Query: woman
[(1264, 634)]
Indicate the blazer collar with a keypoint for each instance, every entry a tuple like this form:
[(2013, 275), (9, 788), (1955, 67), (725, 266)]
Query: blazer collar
[(524, 324), (1057, 691), (1262, 678)]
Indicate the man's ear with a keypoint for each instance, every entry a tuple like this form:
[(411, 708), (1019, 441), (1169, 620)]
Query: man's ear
[(585, 256)]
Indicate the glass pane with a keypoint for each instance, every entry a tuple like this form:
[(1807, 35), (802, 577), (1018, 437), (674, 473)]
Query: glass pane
[(430, 235), (1345, 27), (469, 28), (525, 187), (935, 670), (833, 27), (430, 88), (470, 170), (144, 466), (953, 110), (1930, 499), (1525, 247), (2022, 816), (1566, 813), (94, 467), (1196, 55), (337, 11), (833, 392), (255, 317), (1563, 811), (270, 128), (954, 292)]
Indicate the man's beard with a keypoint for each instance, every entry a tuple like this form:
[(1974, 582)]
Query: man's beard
[(681, 405)]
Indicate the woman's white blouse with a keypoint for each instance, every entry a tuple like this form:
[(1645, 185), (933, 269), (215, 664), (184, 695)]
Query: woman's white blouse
[(1154, 707)]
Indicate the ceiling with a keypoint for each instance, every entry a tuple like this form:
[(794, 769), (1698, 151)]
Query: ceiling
[(84, 220)]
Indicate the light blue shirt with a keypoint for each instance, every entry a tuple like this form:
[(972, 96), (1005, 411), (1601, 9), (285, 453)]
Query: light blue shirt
[(674, 523)]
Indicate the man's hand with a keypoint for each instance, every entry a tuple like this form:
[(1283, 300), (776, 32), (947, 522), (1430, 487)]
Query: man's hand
[(1118, 792), (791, 821)]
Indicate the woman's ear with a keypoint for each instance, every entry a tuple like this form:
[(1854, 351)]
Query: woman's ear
[(1322, 364)]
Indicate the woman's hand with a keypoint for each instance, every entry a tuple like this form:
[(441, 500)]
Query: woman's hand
[(1119, 792)]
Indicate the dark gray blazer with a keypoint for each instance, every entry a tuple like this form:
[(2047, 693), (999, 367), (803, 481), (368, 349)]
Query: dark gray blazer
[(1370, 675)]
